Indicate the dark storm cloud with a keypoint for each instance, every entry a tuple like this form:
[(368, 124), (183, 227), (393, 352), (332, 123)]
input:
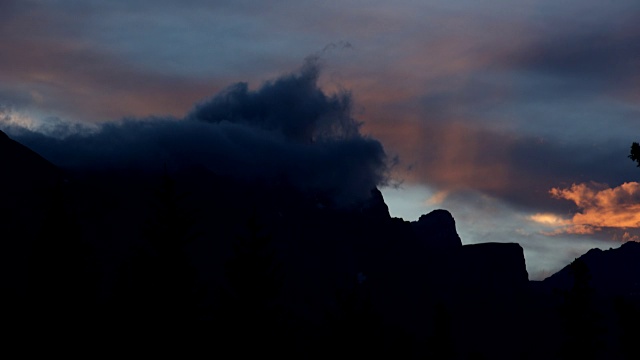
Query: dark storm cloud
[(292, 105), (287, 131)]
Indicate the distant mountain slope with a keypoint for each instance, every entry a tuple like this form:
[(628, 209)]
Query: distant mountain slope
[(23, 167), (25, 181), (615, 272)]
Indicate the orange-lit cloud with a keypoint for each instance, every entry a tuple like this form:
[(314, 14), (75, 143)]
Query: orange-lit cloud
[(598, 207), (560, 225), (626, 236)]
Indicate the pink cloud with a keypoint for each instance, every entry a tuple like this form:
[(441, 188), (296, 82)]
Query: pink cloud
[(599, 207)]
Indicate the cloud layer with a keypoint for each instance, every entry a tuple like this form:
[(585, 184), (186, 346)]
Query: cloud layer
[(288, 132)]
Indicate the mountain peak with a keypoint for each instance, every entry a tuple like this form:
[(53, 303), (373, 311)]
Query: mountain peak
[(437, 229), (376, 206), (613, 271)]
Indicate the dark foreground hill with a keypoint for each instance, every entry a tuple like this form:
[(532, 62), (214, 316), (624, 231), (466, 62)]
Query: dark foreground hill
[(613, 272), (189, 259)]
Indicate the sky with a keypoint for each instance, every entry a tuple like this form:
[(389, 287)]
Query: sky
[(516, 116)]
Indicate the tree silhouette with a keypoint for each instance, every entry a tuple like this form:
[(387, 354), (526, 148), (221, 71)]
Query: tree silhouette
[(635, 153)]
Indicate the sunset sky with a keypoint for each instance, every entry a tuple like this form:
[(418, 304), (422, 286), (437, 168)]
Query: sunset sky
[(516, 116)]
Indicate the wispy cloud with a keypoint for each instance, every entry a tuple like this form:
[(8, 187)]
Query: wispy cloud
[(437, 198)]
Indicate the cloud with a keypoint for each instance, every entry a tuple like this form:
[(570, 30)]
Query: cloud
[(594, 53), (437, 198), (18, 121), (58, 69), (75, 80), (520, 113), (518, 116), (549, 219), (293, 106), (600, 206), (287, 131), (518, 169), (626, 236), (596, 60)]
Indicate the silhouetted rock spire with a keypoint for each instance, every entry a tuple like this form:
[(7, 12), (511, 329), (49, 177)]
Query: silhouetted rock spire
[(437, 229), (375, 206)]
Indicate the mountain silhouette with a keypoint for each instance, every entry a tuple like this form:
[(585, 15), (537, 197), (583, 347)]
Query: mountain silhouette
[(147, 257), (437, 228), (26, 177), (614, 271), (21, 165), (28, 181)]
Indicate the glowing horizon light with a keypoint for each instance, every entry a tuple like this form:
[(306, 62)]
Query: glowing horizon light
[(549, 219), (13, 120)]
